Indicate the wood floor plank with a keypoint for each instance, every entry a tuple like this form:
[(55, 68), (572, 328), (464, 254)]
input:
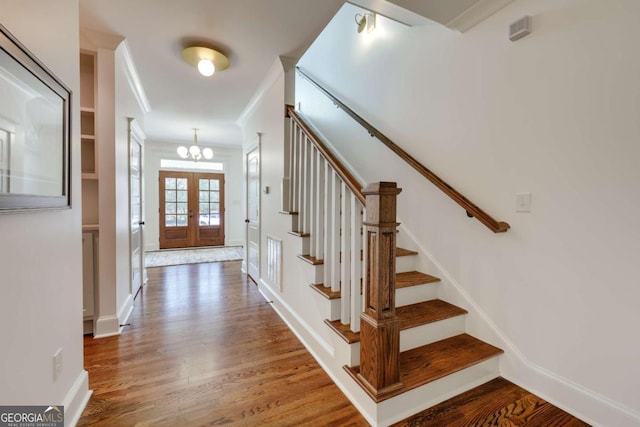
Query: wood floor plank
[(204, 348), (495, 403)]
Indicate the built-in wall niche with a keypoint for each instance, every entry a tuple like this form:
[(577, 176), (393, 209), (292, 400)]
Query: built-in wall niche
[(87, 80), (88, 157), (87, 122), (88, 150), (90, 210)]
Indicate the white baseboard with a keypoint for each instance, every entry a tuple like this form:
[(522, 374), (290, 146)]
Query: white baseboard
[(290, 316), (107, 326), (312, 341), (125, 312), (76, 399)]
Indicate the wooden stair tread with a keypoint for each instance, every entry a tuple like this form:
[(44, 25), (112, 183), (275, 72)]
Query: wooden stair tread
[(426, 312), (405, 252), (288, 212), (325, 291), (299, 233), (497, 402), (343, 331), (414, 278), (422, 365), (311, 260), (409, 316)]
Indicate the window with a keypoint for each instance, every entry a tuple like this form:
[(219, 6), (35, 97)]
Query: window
[(190, 164)]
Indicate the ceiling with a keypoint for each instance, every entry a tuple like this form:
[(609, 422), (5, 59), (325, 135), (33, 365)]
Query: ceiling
[(252, 33)]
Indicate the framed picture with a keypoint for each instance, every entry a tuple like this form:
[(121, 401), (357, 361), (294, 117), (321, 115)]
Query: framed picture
[(35, 132)]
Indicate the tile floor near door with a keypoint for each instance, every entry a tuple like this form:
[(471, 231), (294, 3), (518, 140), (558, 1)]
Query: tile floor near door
[(204, 348)]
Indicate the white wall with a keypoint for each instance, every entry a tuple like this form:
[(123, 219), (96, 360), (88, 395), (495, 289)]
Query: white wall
[(265, 115), (554, 114), (41, 252), (234, 215)]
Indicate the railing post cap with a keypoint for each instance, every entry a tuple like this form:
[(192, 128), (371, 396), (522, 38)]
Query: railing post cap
[(386, 188)]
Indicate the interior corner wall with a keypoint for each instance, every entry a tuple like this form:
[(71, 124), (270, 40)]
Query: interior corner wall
[(553, 114), (41, 252), (231, 158)]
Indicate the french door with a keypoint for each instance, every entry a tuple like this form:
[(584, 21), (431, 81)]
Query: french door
[(191, 209)]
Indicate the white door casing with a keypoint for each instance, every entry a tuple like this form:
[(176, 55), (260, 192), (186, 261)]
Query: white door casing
[(136, 207), (253, 212)]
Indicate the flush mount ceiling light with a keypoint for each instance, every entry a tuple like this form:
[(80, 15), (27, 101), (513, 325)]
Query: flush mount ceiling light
[(207, 60), (366, 22), (194, 151)]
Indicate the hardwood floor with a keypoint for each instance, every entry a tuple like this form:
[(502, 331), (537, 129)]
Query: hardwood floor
[(204, 348), (497, 403)]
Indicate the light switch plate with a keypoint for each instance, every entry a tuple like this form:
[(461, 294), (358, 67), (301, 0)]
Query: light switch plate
[(523, 202)]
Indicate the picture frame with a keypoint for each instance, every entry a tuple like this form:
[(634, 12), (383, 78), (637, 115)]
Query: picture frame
[(35, 132)]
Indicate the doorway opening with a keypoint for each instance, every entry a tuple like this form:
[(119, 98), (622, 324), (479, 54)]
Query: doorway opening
[(191, 209)]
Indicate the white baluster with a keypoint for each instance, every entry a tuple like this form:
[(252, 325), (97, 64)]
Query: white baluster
[(320, 214), (306, 224), (345, 250), (356, 262), (365, 248), (312, 200), (329, 255), (335, 232), (296, 173)]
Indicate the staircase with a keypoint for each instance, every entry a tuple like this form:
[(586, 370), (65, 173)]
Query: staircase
[(405, 348)]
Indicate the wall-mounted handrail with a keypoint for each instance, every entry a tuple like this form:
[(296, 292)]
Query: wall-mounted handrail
[(339, 168), (471, 208)]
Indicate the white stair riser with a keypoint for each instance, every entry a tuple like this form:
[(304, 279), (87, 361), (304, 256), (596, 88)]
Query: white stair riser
[(415, 294), (431, 332), (405, 264), (305, 244), (428, 395), (330, 308)]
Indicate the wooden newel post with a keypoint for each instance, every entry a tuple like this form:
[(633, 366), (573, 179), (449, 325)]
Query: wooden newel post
[(379, 330)]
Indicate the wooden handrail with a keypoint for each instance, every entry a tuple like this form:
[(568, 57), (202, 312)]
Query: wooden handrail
[(472, 209), (337, 166)]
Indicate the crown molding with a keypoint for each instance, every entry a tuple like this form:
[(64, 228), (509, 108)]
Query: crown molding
[(132, 76)]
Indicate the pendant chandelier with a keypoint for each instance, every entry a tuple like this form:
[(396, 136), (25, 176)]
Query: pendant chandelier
[(194, 151)]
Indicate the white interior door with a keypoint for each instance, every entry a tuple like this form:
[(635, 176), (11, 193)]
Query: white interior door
[(136, 206), (253, 214)]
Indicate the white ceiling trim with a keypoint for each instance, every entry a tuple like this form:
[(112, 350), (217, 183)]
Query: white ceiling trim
[(132, 76)]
